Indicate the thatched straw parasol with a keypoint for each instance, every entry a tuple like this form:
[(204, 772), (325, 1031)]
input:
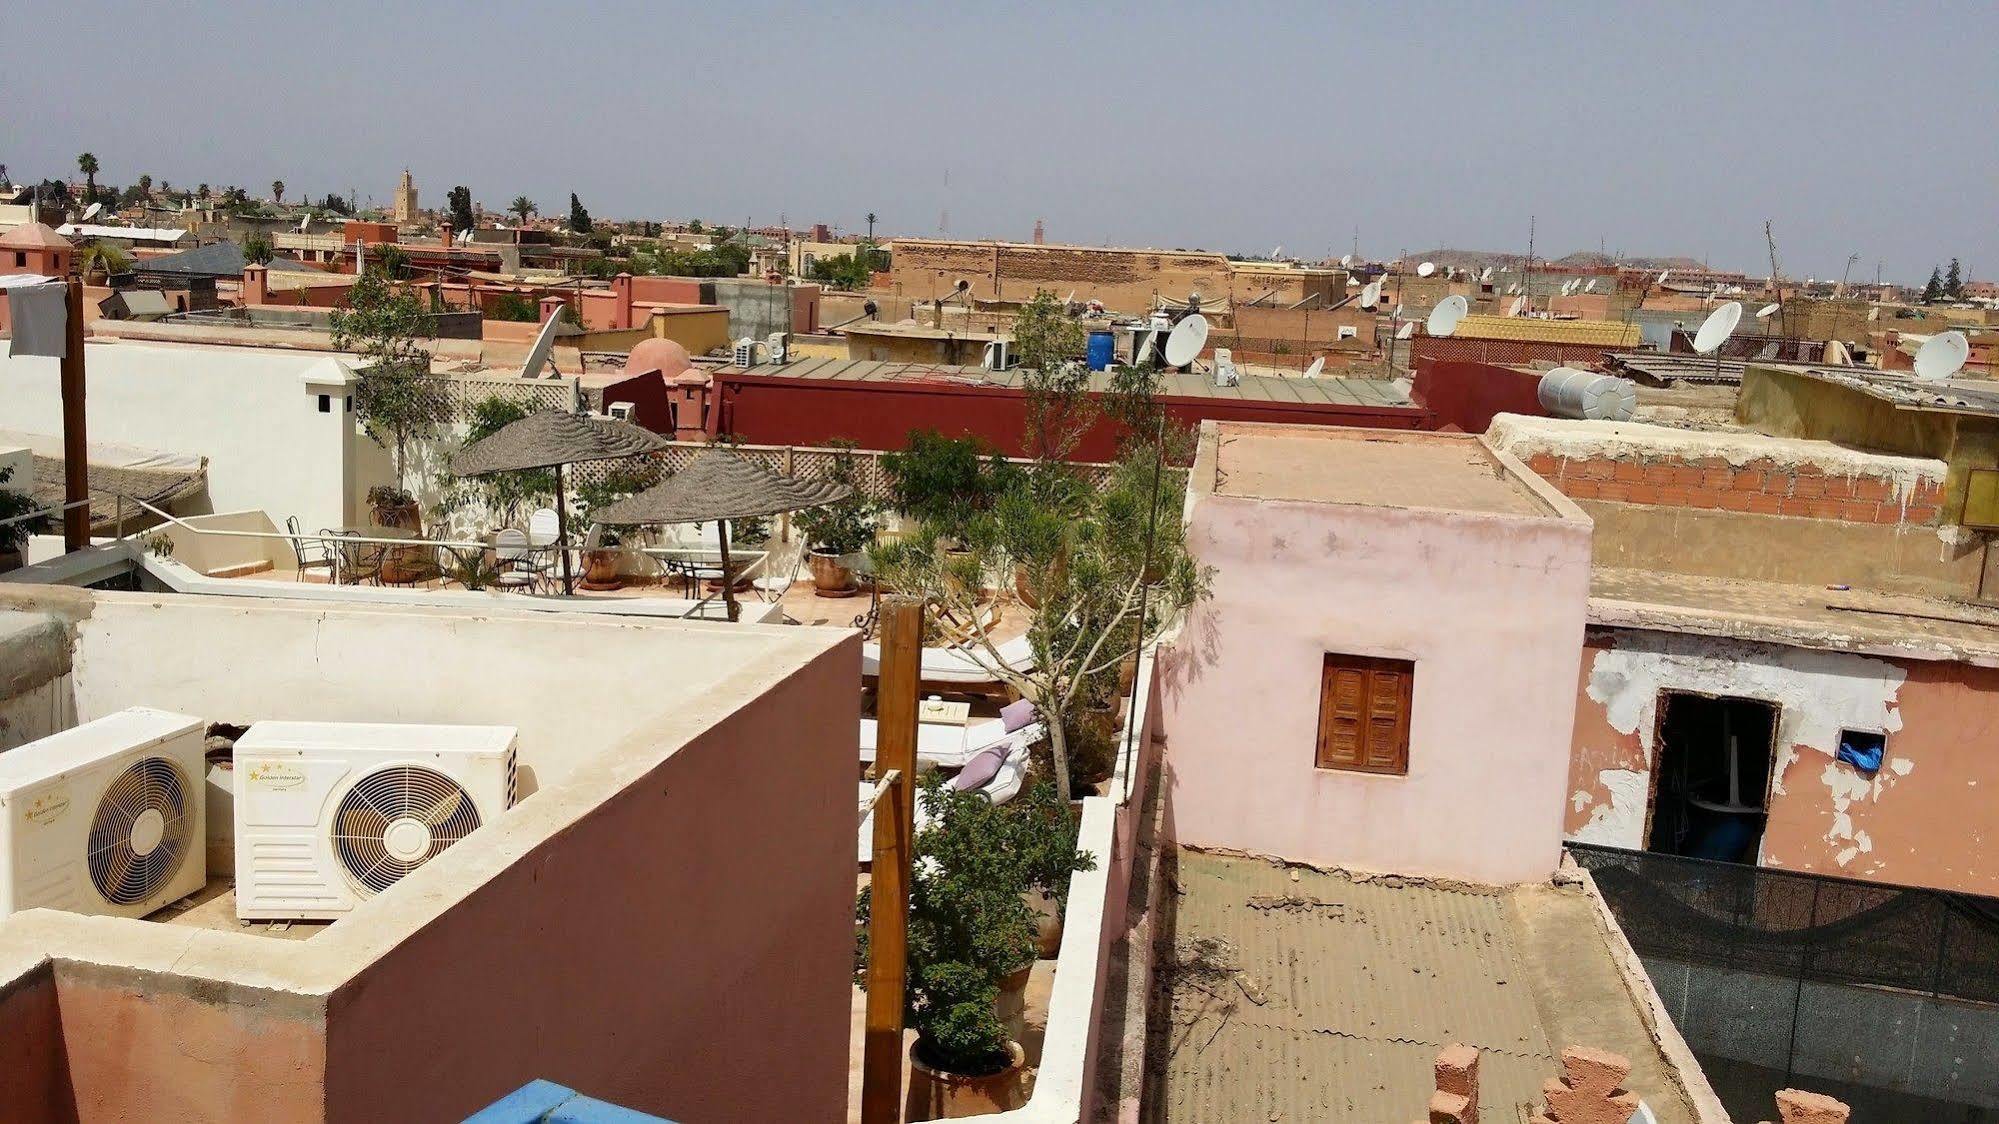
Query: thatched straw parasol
[(720, 485), (552, 439)]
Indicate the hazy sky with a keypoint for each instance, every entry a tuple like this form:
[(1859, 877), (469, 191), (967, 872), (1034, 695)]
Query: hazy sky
[(1652, 128)]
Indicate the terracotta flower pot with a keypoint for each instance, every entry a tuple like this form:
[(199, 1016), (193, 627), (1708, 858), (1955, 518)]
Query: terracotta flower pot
[(1047, 924), (1011, 1003), (936, 1094), (600, 569), (831, 576)]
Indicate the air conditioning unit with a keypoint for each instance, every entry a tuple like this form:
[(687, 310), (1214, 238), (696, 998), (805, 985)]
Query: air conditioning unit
[(998, 356), (777, 346), (622, 411), (329, 814), (744, 354), (107, 818)]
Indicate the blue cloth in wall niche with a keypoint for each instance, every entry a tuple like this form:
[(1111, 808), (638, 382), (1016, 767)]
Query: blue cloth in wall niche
[(1862, 750)]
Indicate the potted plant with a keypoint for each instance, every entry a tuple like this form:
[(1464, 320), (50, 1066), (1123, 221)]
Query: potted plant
[(14, 536), (603, 561), (971, 934), (839, 531), (392, 506)]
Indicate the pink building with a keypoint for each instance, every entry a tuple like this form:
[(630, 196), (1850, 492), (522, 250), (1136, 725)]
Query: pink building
[(1383, 677)]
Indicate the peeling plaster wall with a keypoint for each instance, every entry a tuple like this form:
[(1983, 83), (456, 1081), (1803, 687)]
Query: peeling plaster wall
[(1919, 821)]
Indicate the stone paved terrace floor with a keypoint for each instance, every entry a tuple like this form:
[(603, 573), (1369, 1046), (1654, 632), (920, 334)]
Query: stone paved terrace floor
[(1292, 994)]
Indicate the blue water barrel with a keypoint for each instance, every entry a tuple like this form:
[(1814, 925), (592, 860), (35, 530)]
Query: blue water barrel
[(1103, 350)]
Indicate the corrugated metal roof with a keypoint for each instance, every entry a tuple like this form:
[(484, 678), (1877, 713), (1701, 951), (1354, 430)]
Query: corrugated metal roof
[(1180, 384), (1329, 997), (1606, 333)]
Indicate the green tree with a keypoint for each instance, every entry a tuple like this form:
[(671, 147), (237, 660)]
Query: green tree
[(694, 226), (278, 192), (146, 184), (334, 204), (516, 308), (1105, 567), (459, 201), (843, 271), (395, 399), (503, 494), (87, 164), (201, 193), (522, 206), (579, 219), (1933, 291), (1953, 280), (257, 248), (102, 259)]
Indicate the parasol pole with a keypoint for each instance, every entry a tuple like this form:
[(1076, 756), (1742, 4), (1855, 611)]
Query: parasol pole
[(728, 578), (562, 534)]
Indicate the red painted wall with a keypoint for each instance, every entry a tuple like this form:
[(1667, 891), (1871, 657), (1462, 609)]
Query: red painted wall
[(647, 394), (1464, 395), (776, 410)]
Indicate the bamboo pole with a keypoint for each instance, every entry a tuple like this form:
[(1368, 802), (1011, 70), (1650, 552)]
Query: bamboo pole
[(888, 916)]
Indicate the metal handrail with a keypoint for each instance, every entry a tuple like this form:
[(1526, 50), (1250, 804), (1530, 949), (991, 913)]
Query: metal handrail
[(224, 532)]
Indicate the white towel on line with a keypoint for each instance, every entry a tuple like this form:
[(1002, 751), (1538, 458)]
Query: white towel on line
[(40, 317)]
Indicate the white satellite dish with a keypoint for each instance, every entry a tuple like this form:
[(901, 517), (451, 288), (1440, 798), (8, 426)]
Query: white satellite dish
[(1319, 364), (1766, 312), (1874, 313), (1513, 288), (1519, 304), (1836, 354), (1186, 340), (1591, 287), (1943, 356), (92, 212), (1719, 325), (1662, 277), (305, 222), (544, 345), (1444, 318), (1406, 330), (1485, 277), (1426, 269), (1371, 295), (1397, 314), (1346, 260)]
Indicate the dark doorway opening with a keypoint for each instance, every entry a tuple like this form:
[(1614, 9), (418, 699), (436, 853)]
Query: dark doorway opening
[(1713, 772)]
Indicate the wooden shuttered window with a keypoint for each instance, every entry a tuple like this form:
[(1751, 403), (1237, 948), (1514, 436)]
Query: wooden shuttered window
[(1364, 714)]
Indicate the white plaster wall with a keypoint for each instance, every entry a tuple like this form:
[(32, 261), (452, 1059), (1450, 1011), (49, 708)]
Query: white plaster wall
[(573, 687), (247, 410), (1817, 693)]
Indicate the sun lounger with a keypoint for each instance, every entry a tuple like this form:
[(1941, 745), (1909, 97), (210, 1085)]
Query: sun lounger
[(953, 665)]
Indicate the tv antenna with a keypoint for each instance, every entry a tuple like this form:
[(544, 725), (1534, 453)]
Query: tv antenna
[(1942, 356)]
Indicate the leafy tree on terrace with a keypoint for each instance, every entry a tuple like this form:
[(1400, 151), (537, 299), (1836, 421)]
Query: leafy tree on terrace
[(395, 399)]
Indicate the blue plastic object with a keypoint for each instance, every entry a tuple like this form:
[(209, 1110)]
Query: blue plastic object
[(1102, 350), (1862, 750), (545, 1102)]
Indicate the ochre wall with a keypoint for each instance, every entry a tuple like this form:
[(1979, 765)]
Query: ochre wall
[(1923, 820), (1125, 280), (719, 994)]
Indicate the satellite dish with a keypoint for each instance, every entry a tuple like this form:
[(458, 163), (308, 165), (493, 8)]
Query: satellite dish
[(305, 222), (1513, 288), (1942, 357), (1426, 269), (1591, 287), (1766, 312), (1346, 260), (1519, 303), (1319, 364), (1874, 313), (1406, 330), (1836, 354), (1662, 277), (1184, 343), (1719, 325), (1485, 277), (91, 212), (1397, 314), (1444, 318), (544, 344), (1371, 295)]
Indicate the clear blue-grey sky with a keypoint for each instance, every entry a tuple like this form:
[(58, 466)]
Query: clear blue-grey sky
[(1661, 128)]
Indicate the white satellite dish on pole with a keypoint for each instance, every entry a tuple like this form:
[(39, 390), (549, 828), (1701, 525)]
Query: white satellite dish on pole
[(1406, 330), (1513, 288), (1719, 325), (91, 212), (1591, 286), (1444, 318), (1426, 269), (1518, 306), (1485, 278), (1766, 312), (1943, 356), (304, 222), (544, 346), (1346, 260), (1397, 314), (1371, 295), (1662, 277), (1319, 364), (1186, 340)]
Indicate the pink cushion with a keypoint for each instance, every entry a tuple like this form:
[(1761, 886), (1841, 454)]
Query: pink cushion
[(1017, 714), (983, 766)]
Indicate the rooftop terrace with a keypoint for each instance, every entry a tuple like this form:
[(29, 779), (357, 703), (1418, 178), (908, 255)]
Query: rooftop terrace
[(1373, 467)]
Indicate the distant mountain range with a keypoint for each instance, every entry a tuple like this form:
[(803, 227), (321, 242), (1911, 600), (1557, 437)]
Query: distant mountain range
[(1582, 259)]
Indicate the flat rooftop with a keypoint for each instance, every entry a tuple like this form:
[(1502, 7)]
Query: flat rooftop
[(1296, 994), (1379, 468), (1377, 393)]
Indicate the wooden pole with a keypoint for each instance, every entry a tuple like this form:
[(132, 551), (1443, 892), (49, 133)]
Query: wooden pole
[(895, 819), (728, 578), (75, 437), (562, 534)]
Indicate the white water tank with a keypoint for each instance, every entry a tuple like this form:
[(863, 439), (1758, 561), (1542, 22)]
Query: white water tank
[(1567, 392)]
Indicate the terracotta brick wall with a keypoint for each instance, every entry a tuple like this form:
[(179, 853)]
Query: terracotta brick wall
[(1760, 487)]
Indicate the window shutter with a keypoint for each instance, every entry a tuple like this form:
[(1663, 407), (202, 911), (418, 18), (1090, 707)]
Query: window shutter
[(1364, 714)]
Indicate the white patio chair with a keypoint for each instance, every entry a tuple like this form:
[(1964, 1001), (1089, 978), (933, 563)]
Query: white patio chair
[(515, 558)]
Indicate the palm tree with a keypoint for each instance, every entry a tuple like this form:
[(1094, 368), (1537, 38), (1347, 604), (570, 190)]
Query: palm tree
[(87, 164), (146, 185), (278, 192), (522, 206), (102, 260), (201, 193)]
